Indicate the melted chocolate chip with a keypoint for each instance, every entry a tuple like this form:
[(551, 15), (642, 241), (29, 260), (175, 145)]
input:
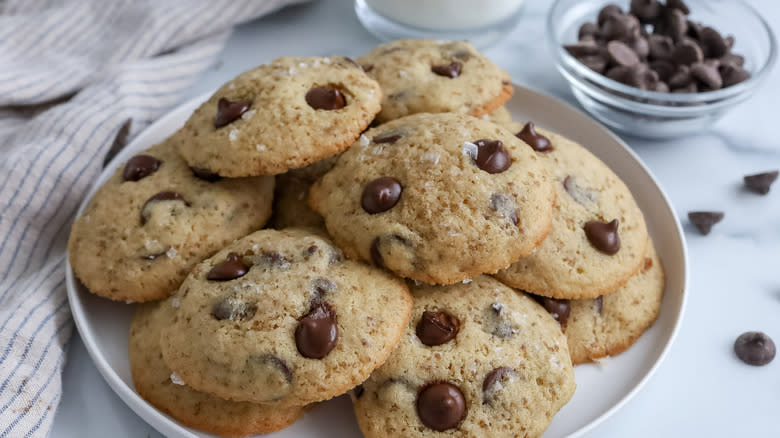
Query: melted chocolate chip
[(205, 174), (504, 206), (436, 328), (559, 309), (441, 406), (760, 182), (600, 304), (579, 194), (358, 391), (537, 141), (326, 98), (277, 363), (704, 220), (274, 259), (491, 383), (604, 236), (317, 333), (381, 195), (451, 70), (755, 348), (376, 255), (492, 156), (500, 323), (160, 197), (387, 138), (228, 111), (139, 167), (230, 269), (233, 309), (321, 287)]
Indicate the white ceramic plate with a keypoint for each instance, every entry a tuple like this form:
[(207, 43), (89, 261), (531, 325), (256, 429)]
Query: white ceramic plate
[(602, 389)]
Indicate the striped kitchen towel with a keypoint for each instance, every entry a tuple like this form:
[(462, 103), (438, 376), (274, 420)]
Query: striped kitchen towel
[(73, 75)]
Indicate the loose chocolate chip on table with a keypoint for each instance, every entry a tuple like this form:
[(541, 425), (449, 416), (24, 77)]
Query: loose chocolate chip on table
[(159, 197), (537, 141), (436, 328), (441, 406), (608, 11), (704, 220), (317, 333), (387, 138), (230, 269), (381, 195), (205, 174), (139, 167), (678, 4), (687, 53), (326, 98), (451, 70), (621, 54), (733, 74), (492, 156), (558, 309), (708, 75), (646, 10), (228, 111), (760, 182), (603, 236), (233, 309), (661, 46), (489, 385), (755, 348), (712, 43)]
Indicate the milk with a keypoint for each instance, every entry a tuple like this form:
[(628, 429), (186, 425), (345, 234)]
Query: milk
[(446, 15)]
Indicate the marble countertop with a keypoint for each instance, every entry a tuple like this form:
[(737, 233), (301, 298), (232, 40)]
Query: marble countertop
[(701, 389)]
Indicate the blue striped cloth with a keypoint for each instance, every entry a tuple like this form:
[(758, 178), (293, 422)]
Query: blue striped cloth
[(72, 73)]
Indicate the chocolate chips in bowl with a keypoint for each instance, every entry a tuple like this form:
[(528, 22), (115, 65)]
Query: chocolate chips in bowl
[(660, 68)]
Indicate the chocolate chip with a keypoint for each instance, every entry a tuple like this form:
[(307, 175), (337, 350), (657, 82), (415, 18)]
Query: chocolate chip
[(704, 220), (381, 195), (451, 70), (317, 333), (681, 78), (441, 406), (228, 111), (755, 348), (233, 309), (621, 54), (139, 167), (588, 30), (326, 98), (504, 206), (760, 182), (712, 43), (275, 363), (358, 391), (690, 88), (694, 29), (205, 174), (376, 255), (599, 301), (640, 46), (230, 269), (678, 4), (661, 47), (387, 138), (500, 324), (732, 60), (597, 63), (646, 10), (368, 67), (537, 141), (579, 50), (159, 197), (351, 62), (733, 74), (490, 385), (708, 75), (580, 194), (608, 11), (386, 240), (558, 309), (664, 69), (603, 236), (336, 256), (686, 53), (492, 156), (620, 27), (676, 24), (639, 76), (436, 328), (275, 259), (321, 287)]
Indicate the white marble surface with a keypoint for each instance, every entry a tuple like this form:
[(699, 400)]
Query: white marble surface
[(701, 389)]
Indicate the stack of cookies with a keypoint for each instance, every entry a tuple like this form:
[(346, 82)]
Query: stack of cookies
[(446, 266)]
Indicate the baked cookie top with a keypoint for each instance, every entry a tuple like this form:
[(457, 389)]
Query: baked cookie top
[(155, 382), (279, 116), (598, 236), (155, 218), (476, 360), (437, 198), (280, 316), (427, 76)]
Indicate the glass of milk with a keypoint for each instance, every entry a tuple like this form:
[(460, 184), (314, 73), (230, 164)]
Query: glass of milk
[(482, 22)]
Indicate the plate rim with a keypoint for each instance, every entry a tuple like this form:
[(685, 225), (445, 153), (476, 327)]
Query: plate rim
[(169, 426)]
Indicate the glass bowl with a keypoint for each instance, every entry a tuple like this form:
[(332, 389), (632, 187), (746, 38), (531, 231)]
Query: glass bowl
[(653, 114)]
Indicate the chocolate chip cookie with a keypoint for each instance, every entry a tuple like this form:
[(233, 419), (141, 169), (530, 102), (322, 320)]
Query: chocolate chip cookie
[(598, 236), (291, 197), (427, 76), (155, 218), (155, 382), (280, 316), (476, 360), (280, 116), (438, 198)]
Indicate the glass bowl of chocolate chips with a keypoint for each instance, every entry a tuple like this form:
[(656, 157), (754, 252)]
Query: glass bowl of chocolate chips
[(661, 68)]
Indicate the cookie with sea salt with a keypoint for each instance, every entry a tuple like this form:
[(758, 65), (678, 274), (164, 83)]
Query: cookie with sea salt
[(476, 360), (291, 197), (598, 236), (279, 116), (155, 382), (427, 76), (155, 219), (280, 316), (438, 198)]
